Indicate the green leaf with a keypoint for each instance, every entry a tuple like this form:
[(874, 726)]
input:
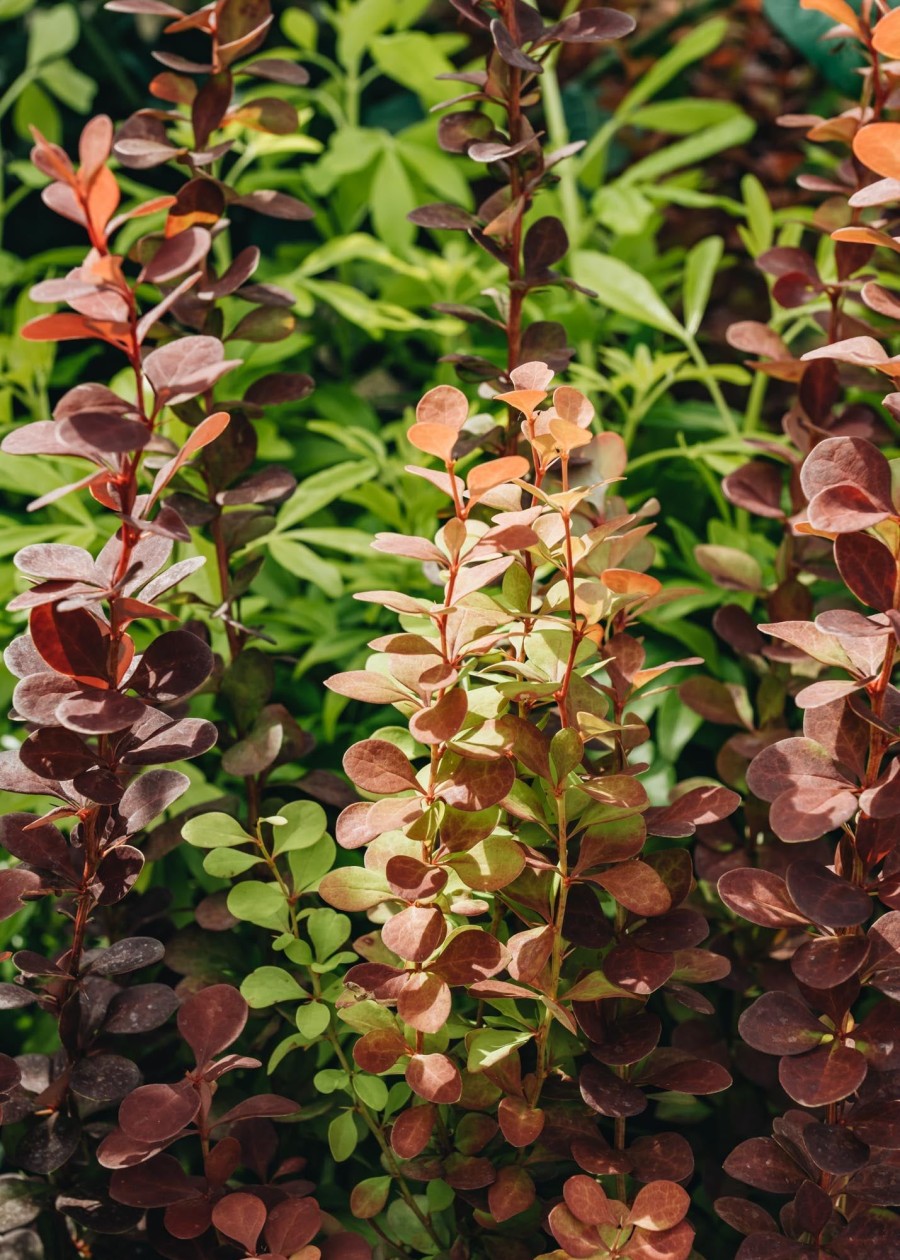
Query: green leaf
[(283, 1049), (69, 85), (624, 290), (214, 830), (403, 1223), (312, 1019), (372, 1090), (414, 59), (342, 1136), (330, 1080), (354, 888), (391, 198), (52, 33), (682, 117), (308, 865), (700, 42), (305, 564), (305, 825), (225, 863), (267, 985), (760, 229), (370, 1195), (355, 247), (691, 151), (300, 28), (10, 9), (357, 25), (322, 488), (699, 273), (489, 1046), (259, 903), (34, 108), (328, 931)]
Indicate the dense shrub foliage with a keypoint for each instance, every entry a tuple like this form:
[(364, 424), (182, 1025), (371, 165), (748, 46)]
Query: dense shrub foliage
[(452, 595)]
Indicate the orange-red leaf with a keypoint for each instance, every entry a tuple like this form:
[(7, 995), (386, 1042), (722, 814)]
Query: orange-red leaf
[(433, 439), (486, 476)]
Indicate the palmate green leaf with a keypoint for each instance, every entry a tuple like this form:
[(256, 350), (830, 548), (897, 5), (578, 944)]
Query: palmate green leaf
[(624, 290), (267, 985)]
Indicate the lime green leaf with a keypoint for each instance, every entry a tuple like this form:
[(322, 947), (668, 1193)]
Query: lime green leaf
[(312, 1019), (699, 272), (52, 33), (225, 863), (267, 985), (342, 1135), (259, 903), (489, 1046), (305, 824), (214, 830), (624, 290)]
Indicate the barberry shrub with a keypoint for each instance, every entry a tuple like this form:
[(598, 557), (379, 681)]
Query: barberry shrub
[(533, 939)]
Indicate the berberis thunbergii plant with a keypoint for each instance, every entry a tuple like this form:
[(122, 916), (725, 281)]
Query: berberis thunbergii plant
[(539, 976), (524, 920)]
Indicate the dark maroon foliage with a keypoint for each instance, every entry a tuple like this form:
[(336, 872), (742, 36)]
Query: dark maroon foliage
[(103, 699)]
